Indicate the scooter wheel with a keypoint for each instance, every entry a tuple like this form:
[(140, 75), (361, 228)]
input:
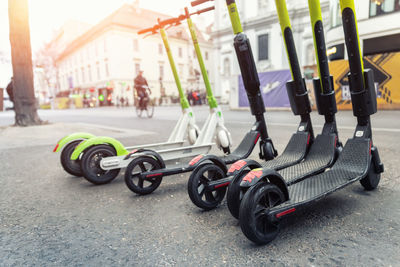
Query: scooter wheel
[(90, 164), (254, 220), (371, 181), (198, 182), (135, 182), (73, 167), (235, 193)]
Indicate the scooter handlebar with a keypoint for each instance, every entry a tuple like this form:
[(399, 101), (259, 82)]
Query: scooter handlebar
[(151, 29), (199, 2), (198, 12), (169, 21)]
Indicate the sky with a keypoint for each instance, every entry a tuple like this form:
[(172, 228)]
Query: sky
[(48, 15)]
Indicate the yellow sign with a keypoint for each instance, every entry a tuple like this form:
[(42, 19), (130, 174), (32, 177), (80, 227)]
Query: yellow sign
[(386, 68)]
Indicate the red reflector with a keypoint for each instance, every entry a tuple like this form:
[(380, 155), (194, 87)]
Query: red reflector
[(308, 139), (222, 185), (152, 175), (370, 146), (55, 149), (283, 213), (258, 136)]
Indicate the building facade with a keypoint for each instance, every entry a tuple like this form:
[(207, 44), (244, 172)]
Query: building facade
[(103, 62), (261, 25)]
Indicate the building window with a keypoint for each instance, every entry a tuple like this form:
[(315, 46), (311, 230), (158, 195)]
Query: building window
[(83, 74), (227, 67), (181, 70), (180, 52), (135, 45), (262, 6), (137, 68), (263, 47), (160, 49), (206, 55), (382, 7), (335, 17), (76, 77), (89, 70), (98, 70), (161, 71), (106, 67)]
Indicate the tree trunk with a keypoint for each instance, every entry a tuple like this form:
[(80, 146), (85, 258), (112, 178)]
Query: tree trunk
[(21, 54)]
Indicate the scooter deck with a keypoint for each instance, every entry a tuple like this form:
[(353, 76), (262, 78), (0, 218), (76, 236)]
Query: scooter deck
[(244, 149), (352, 165), (294, 152), (320, 156)]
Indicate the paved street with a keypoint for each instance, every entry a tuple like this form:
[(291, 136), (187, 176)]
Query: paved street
[(49, 218)]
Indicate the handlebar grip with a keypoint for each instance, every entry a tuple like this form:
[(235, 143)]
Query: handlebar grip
[(198, 2), (146, 30)]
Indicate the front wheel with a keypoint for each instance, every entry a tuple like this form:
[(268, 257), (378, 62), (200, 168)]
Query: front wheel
[(150, 109), (197, 186), (90, 164), (254, 219), (135, 181), (235, 193), (371, 181), (73, 167)]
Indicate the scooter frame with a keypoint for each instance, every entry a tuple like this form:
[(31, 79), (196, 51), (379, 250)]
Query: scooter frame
[(359, 160)]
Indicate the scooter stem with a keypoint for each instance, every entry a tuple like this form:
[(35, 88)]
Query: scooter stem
[(184, 101), (212, 102)]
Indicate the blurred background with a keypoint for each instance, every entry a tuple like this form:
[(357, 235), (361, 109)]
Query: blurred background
[(87, 53)]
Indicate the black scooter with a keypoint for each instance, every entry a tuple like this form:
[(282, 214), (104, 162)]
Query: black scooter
[(322, 151), (269, 198)]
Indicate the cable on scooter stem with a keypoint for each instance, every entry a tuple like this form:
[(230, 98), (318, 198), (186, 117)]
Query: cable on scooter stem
[(199, 2), (319, 45), (353, 43), (287, 34)]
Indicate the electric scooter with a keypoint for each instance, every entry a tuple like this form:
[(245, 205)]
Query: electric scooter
[(322, 151), (186, 126), (100, 168), (144, 174), (269, 199)]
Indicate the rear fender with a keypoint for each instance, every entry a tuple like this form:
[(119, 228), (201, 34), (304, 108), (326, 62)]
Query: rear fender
[(69, 138), (266, 175), (99, 140), (146, 153), (241, 165), (201, 159)]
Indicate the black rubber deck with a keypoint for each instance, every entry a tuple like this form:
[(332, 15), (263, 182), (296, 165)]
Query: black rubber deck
[(351, 166), (320, 156), (244, 149), (294, 152)]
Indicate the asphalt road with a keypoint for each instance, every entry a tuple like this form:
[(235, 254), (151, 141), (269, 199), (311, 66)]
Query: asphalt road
[(49, 218)]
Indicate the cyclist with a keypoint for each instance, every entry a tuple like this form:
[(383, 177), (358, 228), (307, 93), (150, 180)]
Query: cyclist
[(141, 86)]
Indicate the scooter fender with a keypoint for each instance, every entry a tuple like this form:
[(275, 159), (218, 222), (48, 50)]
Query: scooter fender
[(99, 140), (267, 175), (69, 138), (241, 165), (201, 159), (146, 153)]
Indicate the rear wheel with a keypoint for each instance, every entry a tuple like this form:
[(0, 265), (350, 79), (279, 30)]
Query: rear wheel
[(197, 186), (133, 178), (254, 219), (371, 181), (235, 193), (73, 167), (90, 164), (139, 109)]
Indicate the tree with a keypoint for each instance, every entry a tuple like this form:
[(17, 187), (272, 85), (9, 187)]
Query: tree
[(21, 57)]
